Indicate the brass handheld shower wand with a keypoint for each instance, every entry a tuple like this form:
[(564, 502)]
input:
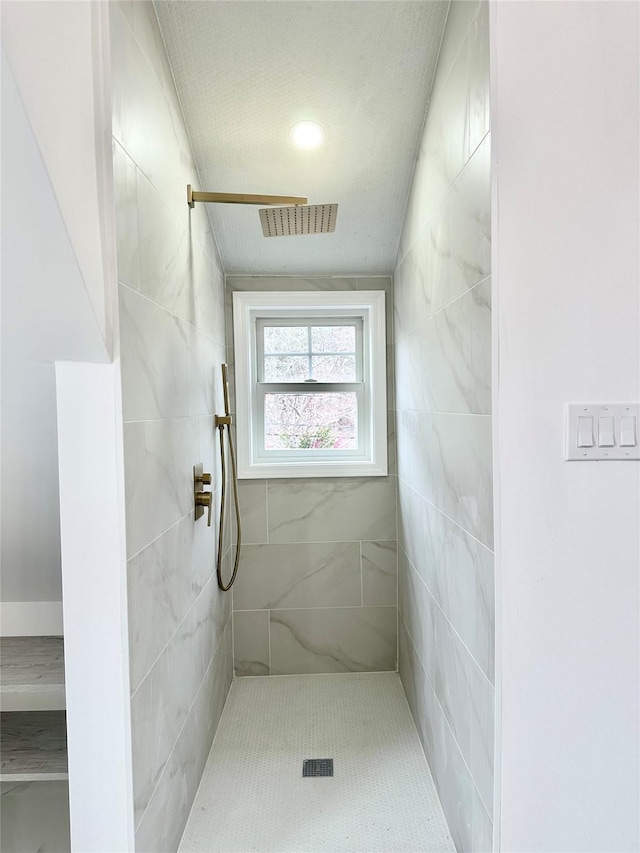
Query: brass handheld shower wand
[(223, 421)]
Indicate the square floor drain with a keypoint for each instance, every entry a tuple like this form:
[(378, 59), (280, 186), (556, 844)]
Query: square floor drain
[(317, 767)]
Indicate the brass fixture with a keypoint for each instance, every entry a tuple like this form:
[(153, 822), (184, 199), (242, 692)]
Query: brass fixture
[(201, 499), (222, 422), (240, 198)]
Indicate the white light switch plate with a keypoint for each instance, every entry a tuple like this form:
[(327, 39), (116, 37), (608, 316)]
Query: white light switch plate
[(589, 436)]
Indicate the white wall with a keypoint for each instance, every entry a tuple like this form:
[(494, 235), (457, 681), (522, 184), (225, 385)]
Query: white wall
[(58, 304), (565, 157), (57, 265)]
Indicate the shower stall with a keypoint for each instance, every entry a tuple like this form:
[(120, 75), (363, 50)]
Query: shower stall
[(341, 582)]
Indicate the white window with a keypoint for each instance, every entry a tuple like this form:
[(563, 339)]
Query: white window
[(310, 384)]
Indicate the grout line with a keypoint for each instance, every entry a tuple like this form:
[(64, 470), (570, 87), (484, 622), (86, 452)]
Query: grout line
[(320, 541), (171, 313), (269, 637), (449, 622), (169, 641), (321, 607), (361, 578), (195, 698), (160, 535), (435, 412), (315, 674), (442, 308), (181, 117), (455, 740), (448, 517), (436, 209), (266, 509)]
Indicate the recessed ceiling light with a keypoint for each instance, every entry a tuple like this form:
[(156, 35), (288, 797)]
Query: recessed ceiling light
[(306, 134)]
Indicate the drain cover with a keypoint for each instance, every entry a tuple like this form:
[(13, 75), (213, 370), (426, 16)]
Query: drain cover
[(317, 767)]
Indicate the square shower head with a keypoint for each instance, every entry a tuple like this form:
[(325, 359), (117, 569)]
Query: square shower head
[(299, 219)]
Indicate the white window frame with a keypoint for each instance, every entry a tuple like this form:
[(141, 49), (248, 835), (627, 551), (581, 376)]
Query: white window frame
[(366, 309)]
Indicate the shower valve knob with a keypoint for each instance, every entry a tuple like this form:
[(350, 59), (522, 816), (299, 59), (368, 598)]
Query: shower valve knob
[(204, 499), (201, 498)]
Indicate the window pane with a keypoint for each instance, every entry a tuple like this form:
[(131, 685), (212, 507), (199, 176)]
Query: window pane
[(286, 339), (286, 368), (334, 368), (333, 339), (311, 421)]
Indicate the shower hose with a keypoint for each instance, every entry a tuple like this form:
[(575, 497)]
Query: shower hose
[(221, 423)]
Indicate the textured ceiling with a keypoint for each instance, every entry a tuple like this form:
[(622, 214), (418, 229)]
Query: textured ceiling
[(247, 71)]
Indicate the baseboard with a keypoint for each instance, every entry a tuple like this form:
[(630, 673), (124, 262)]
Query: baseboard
[(31, 619)]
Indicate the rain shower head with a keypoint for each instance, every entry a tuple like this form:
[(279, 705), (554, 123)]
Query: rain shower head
[(299, 219)]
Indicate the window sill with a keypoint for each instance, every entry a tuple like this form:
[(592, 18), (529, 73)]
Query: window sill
[(293, 470)]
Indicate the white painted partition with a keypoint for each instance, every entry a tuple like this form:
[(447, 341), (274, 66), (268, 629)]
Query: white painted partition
[(566, 243), (94, 589)]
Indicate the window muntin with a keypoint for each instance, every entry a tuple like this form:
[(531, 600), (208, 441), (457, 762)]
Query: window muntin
[(310, 394), (310, 371)]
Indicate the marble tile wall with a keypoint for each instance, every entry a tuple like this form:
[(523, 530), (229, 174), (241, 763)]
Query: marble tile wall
[(172, 343), (317, 584), (442, 343)]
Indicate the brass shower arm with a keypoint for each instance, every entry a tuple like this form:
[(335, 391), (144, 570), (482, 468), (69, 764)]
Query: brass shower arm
[(241, 198)]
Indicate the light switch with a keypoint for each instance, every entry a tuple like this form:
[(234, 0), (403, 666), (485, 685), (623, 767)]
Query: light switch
[(585, 432), (602, 432), (627, 432), (605, 432)]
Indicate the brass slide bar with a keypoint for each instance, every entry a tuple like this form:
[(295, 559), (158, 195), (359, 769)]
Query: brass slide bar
[(240, 198)]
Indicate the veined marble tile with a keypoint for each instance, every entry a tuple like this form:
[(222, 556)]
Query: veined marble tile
[(452, 778), (479, 90), (334, 510), (165, 252), (159, 595), (290, 283), (251, 642), (343, 639), (413, 285), (461, 572), (413, 680), (154, 360), (413, 530), (158, 476), (457, 121), (462, 256), (204, 358), (144, 122), (482, 827), (452, 682), (253, 510), (462, 472), (142, 19), (124, 178), (482, 716), (459, 19), (298, 575), (418, 613), (380, 572), (161, 827), (161, 704), (453, 251), (436, 360), (208, 289), (413, 439)]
